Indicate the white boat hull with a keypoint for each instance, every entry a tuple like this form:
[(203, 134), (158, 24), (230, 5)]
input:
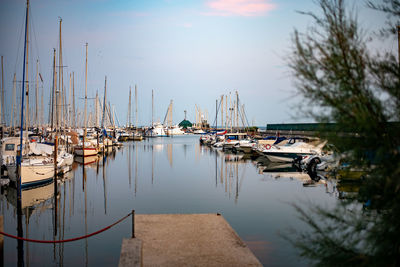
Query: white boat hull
[(32, 175), (85, 152)]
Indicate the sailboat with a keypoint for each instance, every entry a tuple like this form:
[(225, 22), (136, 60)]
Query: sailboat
[(29, 171), (86, 148)]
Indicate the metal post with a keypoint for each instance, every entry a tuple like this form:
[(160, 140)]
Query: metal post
[(133, 223)]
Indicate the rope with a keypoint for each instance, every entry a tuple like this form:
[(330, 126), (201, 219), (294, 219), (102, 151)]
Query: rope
[(66, 240)]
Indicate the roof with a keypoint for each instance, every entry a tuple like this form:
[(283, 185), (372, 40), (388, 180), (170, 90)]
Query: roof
[(185, 124)]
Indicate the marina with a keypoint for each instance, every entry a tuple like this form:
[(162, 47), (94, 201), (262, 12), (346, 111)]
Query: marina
[(174, 175), (243, 180)]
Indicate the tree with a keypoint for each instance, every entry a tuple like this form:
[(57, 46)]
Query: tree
[(336, 72)]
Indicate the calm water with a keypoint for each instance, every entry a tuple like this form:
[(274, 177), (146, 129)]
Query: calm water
[(162, 175)]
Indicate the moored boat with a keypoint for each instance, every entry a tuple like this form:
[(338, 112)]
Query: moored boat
[(34, 171)]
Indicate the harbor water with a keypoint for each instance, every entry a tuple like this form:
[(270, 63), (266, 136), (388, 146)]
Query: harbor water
[(158, 176)]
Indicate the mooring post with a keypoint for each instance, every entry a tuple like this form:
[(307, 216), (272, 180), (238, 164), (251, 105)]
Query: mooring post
[(133, 223)]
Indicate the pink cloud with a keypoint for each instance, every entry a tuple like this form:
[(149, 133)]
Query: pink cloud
[(187, 25), (239, 7)]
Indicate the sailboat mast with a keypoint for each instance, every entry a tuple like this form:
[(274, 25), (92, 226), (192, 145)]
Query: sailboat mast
[(60, 83), (96, 107), (152, 107), (42, 111), (13, 102), (226, 112), (237, 110), (222, 111), (135, 106), (36, 94), (69, 101), (57, 94), (22, 103), (26, 80), (53, 89), (85, 114), (104, 102), (2, 94), (129, 108), (73, 101)]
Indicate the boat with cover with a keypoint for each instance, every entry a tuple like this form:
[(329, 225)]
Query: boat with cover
[(34, 171), (293, 149), (38, 165)]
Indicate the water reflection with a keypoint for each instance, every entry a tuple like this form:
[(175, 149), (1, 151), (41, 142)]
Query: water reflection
[(230, 170), (33, 198), (159, 175)]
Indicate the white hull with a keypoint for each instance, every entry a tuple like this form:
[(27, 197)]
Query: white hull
[(32, 174), (87, 151), (175, 131)]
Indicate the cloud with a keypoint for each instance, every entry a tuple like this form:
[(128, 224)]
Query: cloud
[(247, 8), (187, 25)]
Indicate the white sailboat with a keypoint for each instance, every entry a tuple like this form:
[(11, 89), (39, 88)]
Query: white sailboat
[(32, 170), (86, 148)]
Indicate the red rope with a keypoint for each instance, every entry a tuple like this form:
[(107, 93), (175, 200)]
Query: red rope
[(66, 240)]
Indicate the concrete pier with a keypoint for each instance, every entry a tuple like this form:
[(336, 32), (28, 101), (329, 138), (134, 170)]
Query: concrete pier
[(185, 240)]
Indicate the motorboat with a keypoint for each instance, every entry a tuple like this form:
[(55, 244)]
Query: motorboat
[(157, 131), (292, 149), (245, 146), (231, 139), (267, 142), (175, 130)]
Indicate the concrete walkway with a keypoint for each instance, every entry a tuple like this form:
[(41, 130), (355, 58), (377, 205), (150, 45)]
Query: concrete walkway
[(187, 240)]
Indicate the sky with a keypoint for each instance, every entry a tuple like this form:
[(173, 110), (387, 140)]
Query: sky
[(188, 51)]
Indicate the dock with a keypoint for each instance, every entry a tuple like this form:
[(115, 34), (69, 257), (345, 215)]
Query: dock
[(185, 240)]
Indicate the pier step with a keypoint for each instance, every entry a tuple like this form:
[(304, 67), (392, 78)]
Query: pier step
[(131, 253), (186, 240)]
